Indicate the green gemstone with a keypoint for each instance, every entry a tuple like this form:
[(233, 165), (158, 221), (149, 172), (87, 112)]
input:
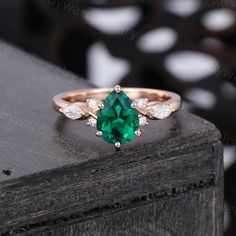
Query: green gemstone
[(118, 121)]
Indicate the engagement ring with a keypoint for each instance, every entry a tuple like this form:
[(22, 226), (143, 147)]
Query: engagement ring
[(117, 113)]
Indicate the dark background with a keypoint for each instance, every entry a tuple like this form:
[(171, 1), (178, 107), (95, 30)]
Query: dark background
[(186, 46)]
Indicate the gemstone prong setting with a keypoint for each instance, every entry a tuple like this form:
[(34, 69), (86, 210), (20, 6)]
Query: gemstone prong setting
[(99, 133), (117, 145), (133, 104), (117, 88), (101, 105), (118, 120), (138, 133)]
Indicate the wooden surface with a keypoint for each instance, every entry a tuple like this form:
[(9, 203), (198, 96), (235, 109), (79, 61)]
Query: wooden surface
[(57, 178), (164, 217)]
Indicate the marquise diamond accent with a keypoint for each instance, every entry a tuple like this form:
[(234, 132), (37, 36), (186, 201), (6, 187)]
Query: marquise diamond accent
[(161, 111), (72, 111)]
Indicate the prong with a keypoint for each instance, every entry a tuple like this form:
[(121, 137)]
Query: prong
[(117, 88), (117, 144), (101, 105), (99, 133), (61, 109), (138, 133), (133, 104)]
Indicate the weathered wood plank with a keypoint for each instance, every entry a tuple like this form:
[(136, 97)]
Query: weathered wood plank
[(80, 189), (188, 214)]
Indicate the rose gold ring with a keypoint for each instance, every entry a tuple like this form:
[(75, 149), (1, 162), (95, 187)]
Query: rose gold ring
[(117, 113)]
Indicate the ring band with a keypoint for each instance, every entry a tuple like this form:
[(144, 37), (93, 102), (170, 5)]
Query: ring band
[(117, 113)]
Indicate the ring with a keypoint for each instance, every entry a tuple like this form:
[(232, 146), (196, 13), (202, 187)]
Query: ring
[(117, 113)]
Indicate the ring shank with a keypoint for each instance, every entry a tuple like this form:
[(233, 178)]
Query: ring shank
[(153, 95)]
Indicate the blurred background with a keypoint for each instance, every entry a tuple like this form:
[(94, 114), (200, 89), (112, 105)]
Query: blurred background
[(186, 46)]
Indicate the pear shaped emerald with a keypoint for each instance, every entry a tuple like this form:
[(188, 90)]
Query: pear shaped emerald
[(118, 121)]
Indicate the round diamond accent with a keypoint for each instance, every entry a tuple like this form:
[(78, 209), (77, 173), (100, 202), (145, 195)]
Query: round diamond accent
[(143, 121), (72, 111), (93, 103), (141, 103), (92, 122), (161, 111)]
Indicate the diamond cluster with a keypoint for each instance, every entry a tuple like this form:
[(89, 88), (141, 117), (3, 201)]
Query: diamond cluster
[(118, 121)]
